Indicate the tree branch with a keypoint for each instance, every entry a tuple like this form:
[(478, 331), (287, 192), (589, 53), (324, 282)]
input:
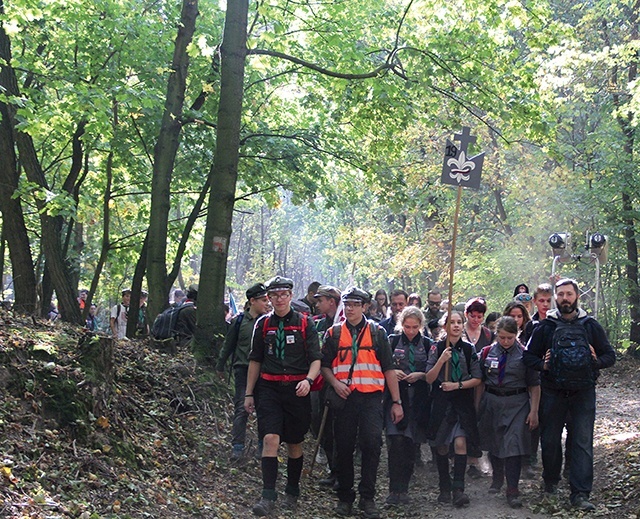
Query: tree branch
[(331, 73)]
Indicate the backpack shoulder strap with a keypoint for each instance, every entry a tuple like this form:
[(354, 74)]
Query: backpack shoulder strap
[(265, 324), (485, 352)]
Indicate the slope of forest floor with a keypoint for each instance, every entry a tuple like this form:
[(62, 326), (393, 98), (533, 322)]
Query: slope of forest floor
[(149, 438)]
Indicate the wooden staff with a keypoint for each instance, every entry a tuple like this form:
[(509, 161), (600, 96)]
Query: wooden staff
[(319, 439), (451, 270)]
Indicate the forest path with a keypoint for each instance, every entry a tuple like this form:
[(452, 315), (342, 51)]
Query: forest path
[(617, 437)]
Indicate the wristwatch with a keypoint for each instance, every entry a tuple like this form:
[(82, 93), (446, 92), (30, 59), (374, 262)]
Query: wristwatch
[(310, 380), (460, 384), (399, 402)]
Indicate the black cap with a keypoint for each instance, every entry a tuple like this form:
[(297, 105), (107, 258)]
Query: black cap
[(355, 294), (257, 290), (279, 283)]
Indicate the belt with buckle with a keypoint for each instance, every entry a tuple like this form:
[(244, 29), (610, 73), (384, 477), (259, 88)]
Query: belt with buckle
[(505, 392)]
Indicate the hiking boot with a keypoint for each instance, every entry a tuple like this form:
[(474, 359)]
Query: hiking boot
[(392, 499), (514, 501), (369, 509), (474, 472), (264, 507), (550, 489), (495, 488), (328, 481), (289, 502), (445, 496), (581, 502), (459, 498), (344, 508)]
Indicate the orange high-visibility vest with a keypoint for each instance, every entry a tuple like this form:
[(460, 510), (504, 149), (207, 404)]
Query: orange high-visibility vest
[(367, 374)]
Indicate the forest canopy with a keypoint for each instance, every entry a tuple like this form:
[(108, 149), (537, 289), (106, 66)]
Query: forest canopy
[(154, 144)]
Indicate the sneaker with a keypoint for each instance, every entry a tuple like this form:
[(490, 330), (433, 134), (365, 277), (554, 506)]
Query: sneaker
[(581, 502), (289, 502), (514, 501), (474, 472), (459, 498), (344, 508), (550, 488), (369, 509), (264, 507), (445, 496), (392, 499), (495, 488)]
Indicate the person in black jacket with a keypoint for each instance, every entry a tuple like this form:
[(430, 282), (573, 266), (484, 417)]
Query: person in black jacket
[(560, 393)]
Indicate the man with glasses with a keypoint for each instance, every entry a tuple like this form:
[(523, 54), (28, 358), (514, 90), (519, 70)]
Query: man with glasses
[(356, 363), (237, 345), (283, 363), (434, 300)]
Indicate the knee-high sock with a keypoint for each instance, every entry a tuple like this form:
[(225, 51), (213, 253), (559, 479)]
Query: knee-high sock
[(442, 462), (459, 468), (294, 471), (269, 476)]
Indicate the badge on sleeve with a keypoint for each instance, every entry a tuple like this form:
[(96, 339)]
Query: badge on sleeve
[(290, 339)]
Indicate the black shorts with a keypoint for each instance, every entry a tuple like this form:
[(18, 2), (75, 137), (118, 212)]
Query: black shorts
[(281, 412)]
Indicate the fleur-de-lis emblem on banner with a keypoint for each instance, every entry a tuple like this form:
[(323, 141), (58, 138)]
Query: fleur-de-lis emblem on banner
[(460, 168), (458, 165)]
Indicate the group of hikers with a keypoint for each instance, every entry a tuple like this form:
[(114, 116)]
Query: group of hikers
[(439, 376)]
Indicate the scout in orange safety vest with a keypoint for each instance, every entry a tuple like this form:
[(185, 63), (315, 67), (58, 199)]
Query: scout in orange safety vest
[(356, 363)]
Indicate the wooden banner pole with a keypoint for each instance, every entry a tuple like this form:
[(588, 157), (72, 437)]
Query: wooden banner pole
[(451, 270)]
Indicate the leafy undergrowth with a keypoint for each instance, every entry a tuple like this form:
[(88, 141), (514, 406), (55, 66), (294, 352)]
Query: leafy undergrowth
[(150, 444), (150, 440)]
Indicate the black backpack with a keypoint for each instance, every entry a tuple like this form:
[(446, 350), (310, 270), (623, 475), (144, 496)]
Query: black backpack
[(571, 365), (164, 326)]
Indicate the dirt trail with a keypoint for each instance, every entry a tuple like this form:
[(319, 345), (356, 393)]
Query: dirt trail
[(617, 432)]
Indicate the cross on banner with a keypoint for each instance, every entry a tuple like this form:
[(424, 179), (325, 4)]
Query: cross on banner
[(458, 169)]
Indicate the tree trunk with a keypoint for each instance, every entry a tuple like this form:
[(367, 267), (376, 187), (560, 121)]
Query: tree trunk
[(164, 155), (224, 174), (50, 231), (14, 227), (13, 223)]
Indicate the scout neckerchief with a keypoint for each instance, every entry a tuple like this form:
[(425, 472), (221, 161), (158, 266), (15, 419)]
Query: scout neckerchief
[(456, 372), (280, 340), (412, 351)]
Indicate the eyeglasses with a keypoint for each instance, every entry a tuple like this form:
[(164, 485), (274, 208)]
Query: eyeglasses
[(523, 298), (352, 304), (279, 295), (433, 303)]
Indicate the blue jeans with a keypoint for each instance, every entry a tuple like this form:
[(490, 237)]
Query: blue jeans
[(555, 406), (240, 416)]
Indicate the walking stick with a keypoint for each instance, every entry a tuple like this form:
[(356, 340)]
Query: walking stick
[(319, 439)]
